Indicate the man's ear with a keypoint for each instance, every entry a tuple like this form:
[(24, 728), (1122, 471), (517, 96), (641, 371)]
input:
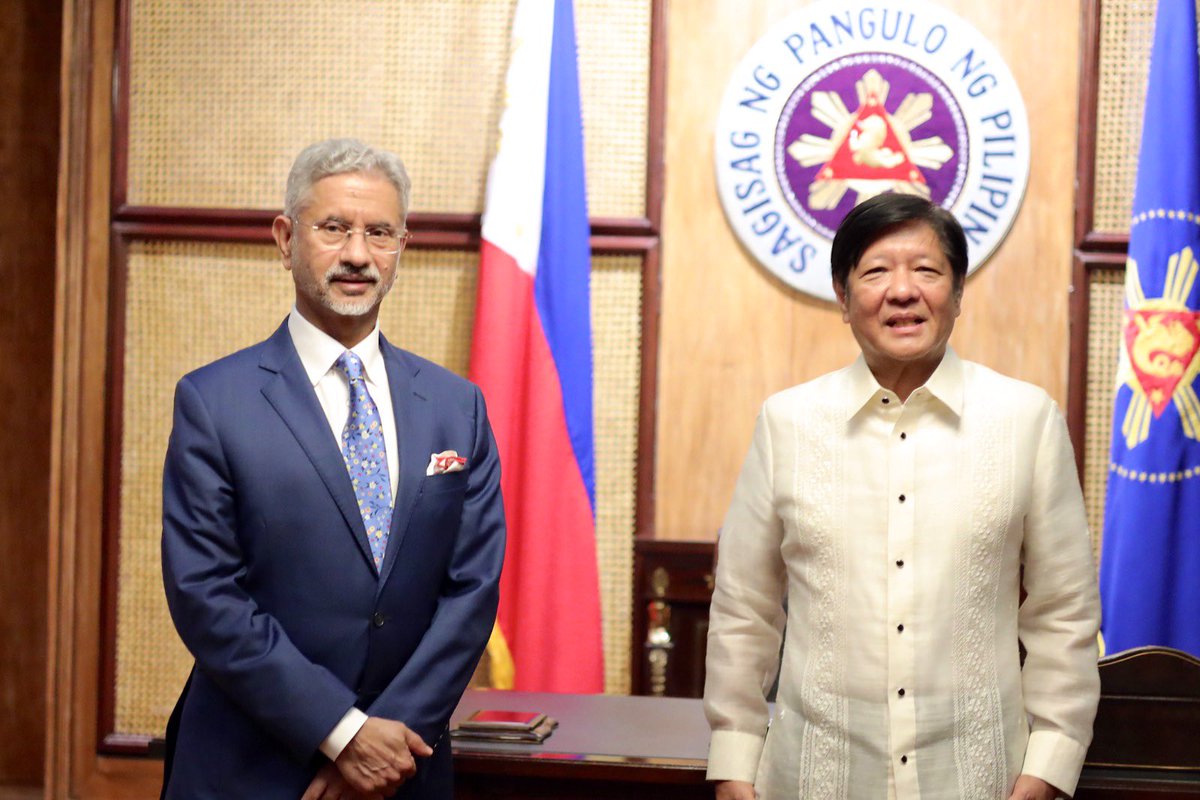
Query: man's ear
[(282, 230), (839, 289)]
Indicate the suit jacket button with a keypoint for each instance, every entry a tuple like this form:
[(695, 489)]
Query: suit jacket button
[(378, 619)]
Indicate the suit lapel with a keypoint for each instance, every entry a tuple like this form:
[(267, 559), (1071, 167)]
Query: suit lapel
[(414, 435), (291, 395)]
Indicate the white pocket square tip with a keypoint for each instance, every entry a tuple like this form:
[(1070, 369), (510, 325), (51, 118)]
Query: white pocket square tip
[(445, 461)]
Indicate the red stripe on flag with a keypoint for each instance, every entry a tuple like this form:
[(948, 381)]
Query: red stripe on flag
[(549, 591)]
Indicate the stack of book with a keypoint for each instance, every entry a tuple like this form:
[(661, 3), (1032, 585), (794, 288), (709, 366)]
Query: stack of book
[(529, 727)]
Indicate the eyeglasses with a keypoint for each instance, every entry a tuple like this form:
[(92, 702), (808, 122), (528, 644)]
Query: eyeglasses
[(334, 234)]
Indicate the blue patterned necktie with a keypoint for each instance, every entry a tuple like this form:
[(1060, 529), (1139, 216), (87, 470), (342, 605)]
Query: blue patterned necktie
[(366, 458)]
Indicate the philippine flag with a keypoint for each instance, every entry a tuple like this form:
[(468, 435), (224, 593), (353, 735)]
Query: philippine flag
[(531, 353)]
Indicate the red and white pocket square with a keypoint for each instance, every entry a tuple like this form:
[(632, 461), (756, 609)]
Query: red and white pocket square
[(445, 461)]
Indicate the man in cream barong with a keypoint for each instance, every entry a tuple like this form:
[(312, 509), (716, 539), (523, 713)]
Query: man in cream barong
[(889, 515)]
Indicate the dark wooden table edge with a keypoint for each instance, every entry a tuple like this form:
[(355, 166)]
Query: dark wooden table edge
[(548, 764), (1148, 779), (681, 771)]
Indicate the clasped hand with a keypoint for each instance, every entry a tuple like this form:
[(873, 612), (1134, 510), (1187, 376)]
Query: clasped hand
[(376, 762)]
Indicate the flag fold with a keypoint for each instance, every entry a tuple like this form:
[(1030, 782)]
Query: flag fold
[(531, 354)]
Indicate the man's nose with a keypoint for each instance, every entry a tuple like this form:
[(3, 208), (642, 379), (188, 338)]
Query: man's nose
[(901, 287), (355, 250)]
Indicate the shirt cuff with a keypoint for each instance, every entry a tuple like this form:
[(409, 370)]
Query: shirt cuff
[(1055, 758), (342, 733), (734, 756)]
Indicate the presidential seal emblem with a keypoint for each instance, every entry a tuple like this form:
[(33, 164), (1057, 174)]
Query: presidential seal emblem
[(843, 101), (1160, 356)]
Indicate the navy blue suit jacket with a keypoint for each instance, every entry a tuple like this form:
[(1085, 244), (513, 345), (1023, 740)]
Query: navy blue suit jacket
[(270, 582)]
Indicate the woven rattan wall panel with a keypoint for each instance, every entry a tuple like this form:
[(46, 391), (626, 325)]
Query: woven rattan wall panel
[(224, 93), (614, 77), (1106, 304), (1126, 33), (616, 325), (176, 294), (189, 303)]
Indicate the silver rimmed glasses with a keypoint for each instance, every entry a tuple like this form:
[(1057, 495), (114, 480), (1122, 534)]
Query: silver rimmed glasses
[(333, 234)]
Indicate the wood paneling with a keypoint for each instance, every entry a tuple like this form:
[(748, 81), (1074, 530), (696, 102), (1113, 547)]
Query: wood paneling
[(29, 64), (77, 448), (732, 334)]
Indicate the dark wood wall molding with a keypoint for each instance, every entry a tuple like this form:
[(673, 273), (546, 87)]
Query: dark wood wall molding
[(430, 231), (111, 507), (74, 767), (1094, 250), (1077, 326), (1087, 263), (1089, 82), (122, 60), (643, 524), (30, 60)]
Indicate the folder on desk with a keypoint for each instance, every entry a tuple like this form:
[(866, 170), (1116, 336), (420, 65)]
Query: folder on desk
[(488, 725)]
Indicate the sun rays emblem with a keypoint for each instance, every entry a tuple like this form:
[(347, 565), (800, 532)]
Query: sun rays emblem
[(870, 150), (1160, 353)]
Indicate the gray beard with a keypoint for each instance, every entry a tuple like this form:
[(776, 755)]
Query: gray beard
[(357, 307), (351, 308)]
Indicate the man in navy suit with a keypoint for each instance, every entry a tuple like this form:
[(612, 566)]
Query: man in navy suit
[(332, 525)]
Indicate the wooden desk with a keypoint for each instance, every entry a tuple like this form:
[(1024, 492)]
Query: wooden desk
[(655, 748), (605, 747)]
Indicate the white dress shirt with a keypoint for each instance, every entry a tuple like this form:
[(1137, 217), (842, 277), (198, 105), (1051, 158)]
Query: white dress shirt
[(896, 534), (318, 352)]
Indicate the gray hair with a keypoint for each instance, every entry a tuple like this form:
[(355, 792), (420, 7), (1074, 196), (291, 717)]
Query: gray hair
[(339, 156)]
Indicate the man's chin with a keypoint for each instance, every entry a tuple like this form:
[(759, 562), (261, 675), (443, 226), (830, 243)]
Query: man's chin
[(355, 308)]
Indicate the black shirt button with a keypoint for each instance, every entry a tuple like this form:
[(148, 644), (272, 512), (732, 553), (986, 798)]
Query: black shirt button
[(903, 759), (378, 619), (900, 628), (886, 401), (903, 436), (900, 562), (901, 692), (901, 498)]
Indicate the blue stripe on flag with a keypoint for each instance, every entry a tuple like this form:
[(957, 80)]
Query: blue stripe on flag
[(561, 288), (1150, 566)]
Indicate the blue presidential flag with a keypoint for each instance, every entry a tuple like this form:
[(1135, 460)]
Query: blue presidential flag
[(1150, 564)]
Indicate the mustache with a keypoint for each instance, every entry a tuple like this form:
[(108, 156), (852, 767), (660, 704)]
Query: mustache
[(369, 271)]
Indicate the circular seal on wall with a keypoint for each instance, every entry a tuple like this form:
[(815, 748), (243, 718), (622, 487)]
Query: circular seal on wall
[(845, 100)]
